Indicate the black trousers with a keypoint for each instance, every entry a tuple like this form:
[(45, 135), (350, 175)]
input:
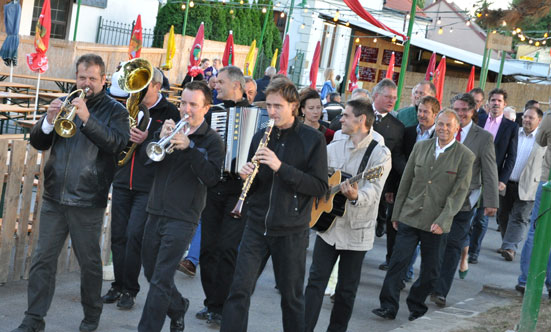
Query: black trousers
[(220, 237), (289, 258), (128, 218), (84, 227), (407, 239), (451, 251), (350, 271), (164, 242), (390, 231)]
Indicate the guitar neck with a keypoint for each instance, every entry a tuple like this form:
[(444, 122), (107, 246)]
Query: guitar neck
[(335, 189)]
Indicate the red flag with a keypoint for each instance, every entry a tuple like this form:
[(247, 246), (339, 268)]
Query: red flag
[(196, 50), (135, 47), (355, 70), (284, 58), (227, 58), (315, 66), (360, 11), (390, 70), (38, 62), (430, 69), (439, 77), (470, 83)]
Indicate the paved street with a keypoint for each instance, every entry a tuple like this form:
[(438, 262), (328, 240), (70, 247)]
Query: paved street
[(265, 313)]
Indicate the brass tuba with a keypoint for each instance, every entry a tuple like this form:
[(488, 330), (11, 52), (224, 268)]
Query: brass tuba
[(64, 122), (135, 77)]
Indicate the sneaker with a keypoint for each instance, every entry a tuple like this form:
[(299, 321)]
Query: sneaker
[(214, 319), (187, 267), (203, 314), (520, 288), (126, 301), (112, 296)]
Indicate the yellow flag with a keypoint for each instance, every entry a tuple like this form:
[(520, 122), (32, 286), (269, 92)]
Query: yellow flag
[(170, 50), (274, 59), (248, 69)]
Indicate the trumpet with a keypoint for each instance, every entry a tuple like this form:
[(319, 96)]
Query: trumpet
[(157, 151), (64, 123)]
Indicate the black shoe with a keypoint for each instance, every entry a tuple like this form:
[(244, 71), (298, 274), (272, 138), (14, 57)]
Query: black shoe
[(203, 314), (126, 301), (214, 319), (439, 300), (112, 296), (384, 313), (384, 266), (414, 315), (380, 229), (520, 288), (473, 260), (24, 327), (89, 325), (178, 325)]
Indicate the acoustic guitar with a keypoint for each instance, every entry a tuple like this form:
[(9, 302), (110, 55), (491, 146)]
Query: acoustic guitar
[(333, 204)]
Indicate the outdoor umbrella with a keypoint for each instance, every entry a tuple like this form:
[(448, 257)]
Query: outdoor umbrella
[(274, 58), (430, 69), (38, 62), (390, 70), (194, 68), (12, 17), (470, 83), (135, 47), (355, 70), (248, 69), (315, 66), (227, 58), (284, 59), (439, 77), (170, 50)]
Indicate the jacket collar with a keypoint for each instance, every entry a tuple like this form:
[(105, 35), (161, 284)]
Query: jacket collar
[(241, 103), (363, 143)]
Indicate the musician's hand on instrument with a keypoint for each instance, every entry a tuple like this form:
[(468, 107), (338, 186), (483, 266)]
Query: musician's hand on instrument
[(246, 170), (137, 136), (435, 229), (350, 191), (81, 109), (180, 141), (389, 198), (268, 157), (167, 128), (55, 107)]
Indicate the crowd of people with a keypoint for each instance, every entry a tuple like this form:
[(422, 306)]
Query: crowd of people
[(441, 172)]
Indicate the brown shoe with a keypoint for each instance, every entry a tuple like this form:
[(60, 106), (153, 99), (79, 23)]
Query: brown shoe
[(508, 254), (500, 251), (187, 267)]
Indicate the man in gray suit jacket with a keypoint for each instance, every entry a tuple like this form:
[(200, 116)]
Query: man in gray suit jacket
[(433, 187), (516, 205), (484, 179)]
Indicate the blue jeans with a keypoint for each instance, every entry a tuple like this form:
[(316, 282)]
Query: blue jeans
[(195, 247), (527, 248), (478, 230)]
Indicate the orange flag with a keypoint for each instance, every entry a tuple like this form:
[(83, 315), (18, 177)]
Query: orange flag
[(470, 83)]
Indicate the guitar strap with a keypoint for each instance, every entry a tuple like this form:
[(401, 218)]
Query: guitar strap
[(366, 156)]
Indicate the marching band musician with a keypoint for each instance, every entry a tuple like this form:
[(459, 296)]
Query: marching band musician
[(352, 234), (178, 195), (293, 169), (77, 177), (220, 232), (130, 194)]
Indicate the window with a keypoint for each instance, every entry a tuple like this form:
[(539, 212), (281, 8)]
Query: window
[(60, 17)]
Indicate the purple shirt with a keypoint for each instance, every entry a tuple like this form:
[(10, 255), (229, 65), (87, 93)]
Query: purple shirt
[(492, 125)]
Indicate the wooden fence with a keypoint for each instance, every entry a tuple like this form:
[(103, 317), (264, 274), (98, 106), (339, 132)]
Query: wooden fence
[(23, 167)]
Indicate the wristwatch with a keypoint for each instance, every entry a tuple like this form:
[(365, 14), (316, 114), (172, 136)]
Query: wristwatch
[(354, 201)]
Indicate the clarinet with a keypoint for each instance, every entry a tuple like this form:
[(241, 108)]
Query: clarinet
[(236, 212)]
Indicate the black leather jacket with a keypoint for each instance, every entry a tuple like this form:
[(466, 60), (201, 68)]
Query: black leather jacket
[(80, 169), (280, 203)]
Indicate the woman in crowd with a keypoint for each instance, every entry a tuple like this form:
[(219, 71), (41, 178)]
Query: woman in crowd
[(311, 110)]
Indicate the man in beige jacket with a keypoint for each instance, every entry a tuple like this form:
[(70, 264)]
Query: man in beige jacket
[(431, 192)]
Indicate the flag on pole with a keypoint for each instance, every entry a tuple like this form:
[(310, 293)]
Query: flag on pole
[(135, 47), (274, 59), (439, 77), (315, 66), (38, 62), (284, 59), (470, 83), (390, 70), (355, 70), (170, 50), (194, 66), (248, 69), (430, 69), (227, 58)]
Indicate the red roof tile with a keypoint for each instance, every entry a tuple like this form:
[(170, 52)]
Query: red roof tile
[(404, 6)]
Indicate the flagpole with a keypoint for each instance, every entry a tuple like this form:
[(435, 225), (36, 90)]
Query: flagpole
[(76, 21), (406, 53), (262, 34), (11, 71), (185, 19), (289, 16), (36, 96)]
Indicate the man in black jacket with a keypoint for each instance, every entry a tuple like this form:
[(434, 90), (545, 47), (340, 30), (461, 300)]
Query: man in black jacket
[(177, 197), (130, 194), (77, 177), (293, 170)]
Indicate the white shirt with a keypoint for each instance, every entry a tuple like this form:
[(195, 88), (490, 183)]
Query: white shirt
[(426, 135), (524, 148), (440, 150), (465, 131), (47, 128)]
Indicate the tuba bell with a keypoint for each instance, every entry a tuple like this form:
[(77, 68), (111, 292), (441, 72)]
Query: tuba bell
[(64, 123), (135, 77)]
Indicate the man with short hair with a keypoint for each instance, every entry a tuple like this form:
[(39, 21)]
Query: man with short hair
[(427, 110), (292, 171), (356, 94), (333, 108), (505, 133), (263, 82), (129, 200), (484, 179), (250, 89), (516, 205), (77, 179), (408, 115), (479, 97), (432, 190)]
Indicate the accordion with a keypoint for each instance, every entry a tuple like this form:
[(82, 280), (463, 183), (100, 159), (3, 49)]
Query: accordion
[(237, 126)]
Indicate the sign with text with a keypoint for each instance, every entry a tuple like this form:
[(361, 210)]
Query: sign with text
[(397, 57), (382, 74), (369, 54), (499, 42), (368, 74)]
